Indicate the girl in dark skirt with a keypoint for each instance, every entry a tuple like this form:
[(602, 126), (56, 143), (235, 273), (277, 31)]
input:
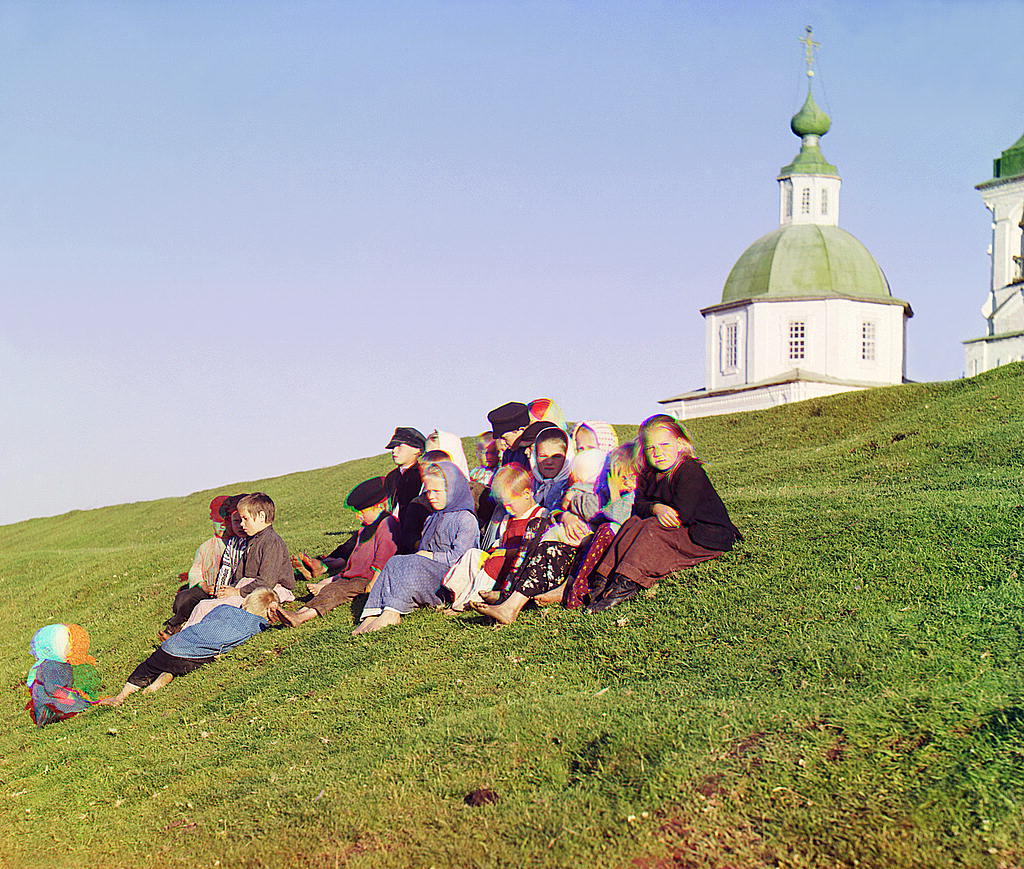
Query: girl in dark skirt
[(678, 519)]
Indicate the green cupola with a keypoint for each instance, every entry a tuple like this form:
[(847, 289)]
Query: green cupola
[(1011, 162), (810, 124)]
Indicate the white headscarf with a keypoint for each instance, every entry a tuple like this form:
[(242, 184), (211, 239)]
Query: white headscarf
[(451, 444)]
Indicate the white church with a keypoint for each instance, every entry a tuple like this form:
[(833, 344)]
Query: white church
[(1003, 195), (806, 311)]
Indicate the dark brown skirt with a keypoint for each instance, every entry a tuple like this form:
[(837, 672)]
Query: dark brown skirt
[(644, 551)]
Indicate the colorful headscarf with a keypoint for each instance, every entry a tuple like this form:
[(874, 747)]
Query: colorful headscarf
[(607, 440), (546, 410), (65, 643)]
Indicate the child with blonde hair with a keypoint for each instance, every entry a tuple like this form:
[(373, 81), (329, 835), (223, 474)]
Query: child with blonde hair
[(678, 518), (479, 571)]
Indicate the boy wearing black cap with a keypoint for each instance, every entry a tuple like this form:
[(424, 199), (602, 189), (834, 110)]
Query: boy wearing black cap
[(353, 567), (403, 485), (508, 423)]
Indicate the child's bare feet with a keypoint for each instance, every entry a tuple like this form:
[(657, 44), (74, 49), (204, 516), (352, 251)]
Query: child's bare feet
[(553, 596), (501, 614), (315, 565), (364, 625), (294, 619), (301, 568), (490, 596), (504, 613), (386, 619)]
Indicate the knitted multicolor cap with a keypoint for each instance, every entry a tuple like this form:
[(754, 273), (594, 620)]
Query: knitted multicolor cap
[(546, 410)]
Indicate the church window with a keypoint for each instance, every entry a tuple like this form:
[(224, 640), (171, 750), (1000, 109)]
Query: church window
[(867, 341), (805, 200), (824, 201), (797, 338), (789, 200), (730, 347)]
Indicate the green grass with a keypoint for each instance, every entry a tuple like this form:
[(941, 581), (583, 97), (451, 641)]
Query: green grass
[(845, 688)]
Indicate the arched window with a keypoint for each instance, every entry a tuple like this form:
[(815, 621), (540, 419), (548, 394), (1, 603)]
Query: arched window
[(824, 200), (788, 199), (805, 200)]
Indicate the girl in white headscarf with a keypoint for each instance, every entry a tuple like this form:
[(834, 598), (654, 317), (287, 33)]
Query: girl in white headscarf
[(451, 444)]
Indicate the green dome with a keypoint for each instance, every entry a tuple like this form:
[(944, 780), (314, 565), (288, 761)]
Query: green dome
[(806, 260), (810, 120)]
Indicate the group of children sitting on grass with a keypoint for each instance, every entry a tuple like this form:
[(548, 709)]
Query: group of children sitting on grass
[(550, 514)]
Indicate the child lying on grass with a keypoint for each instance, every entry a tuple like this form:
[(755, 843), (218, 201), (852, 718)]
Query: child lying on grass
[(220, 631)]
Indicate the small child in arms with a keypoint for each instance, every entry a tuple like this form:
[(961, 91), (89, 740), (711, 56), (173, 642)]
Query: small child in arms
[(221, 630)]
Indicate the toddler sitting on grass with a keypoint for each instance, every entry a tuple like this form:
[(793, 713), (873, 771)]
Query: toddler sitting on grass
[(63, 681)]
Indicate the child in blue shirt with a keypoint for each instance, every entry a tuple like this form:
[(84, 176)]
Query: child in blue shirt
[(219, 631)]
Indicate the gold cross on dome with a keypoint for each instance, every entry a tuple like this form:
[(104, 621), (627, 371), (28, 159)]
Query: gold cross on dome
[(809, 47)]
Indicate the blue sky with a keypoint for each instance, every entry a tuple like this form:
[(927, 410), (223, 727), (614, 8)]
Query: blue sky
[(243, 239)]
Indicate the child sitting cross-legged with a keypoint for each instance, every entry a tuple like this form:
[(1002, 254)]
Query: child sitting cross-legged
[(479, 571), (222, 629), (354, 566)]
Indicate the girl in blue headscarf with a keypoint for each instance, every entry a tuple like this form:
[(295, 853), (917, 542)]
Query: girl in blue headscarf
[(408, 582), (63, 681)]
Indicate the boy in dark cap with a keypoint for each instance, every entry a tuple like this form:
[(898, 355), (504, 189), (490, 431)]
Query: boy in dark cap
[(353, 567), (508, 422), (403, 484)]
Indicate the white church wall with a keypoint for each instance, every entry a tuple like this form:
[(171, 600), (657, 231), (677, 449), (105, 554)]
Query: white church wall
[(727, 352), (985, 354), (1006, 202), (809, 199)]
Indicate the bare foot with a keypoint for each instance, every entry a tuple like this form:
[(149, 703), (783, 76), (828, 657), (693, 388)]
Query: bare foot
[(387, 619), (315, 565), (317, 587), (110, 701), (364, 625), (301, 568), (503, 615), (491, 595), (296, 618), (553, 596)]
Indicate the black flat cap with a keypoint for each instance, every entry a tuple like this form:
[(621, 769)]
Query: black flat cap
[(529, 437), (508, 417), (410, 436), (367, 494)]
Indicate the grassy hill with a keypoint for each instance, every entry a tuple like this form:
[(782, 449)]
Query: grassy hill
[(846, 688)]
